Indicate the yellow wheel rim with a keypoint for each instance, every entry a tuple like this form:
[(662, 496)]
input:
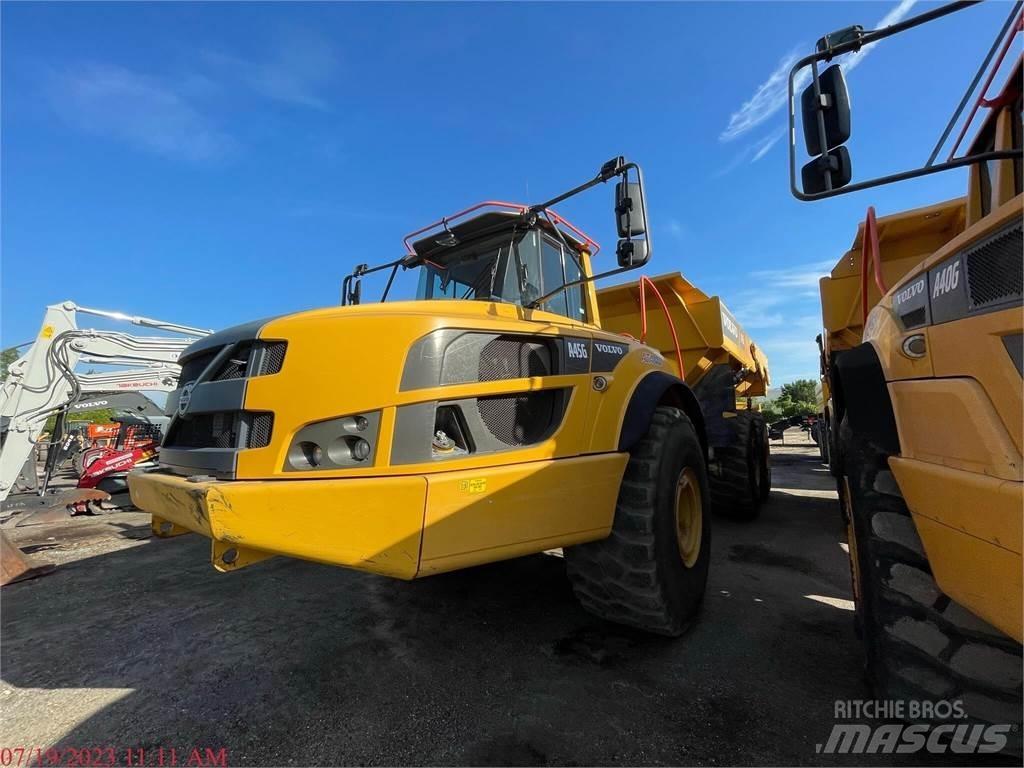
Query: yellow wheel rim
[(689, 517)]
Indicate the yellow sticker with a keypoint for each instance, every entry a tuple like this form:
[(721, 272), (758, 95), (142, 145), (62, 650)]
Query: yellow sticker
[(47, 332), (477, 485)]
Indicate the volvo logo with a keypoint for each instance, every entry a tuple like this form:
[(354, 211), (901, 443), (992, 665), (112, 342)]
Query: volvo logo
[(185, 398)]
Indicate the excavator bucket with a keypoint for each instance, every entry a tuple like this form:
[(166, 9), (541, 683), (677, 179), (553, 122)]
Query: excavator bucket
[(13, 565)]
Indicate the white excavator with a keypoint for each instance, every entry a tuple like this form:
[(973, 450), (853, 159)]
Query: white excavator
[(44, 382)]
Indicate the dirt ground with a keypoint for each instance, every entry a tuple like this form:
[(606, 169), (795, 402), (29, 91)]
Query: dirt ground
[(137, 643)]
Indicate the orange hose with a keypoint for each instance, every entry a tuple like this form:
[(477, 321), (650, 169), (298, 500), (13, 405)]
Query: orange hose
[(870, 253), (644, 282)]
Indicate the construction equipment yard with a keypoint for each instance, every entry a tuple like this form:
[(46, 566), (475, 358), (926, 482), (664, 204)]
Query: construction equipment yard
[(292, 662)]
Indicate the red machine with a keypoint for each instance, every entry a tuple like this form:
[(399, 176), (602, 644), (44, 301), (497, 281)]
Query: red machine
[(106, 466)]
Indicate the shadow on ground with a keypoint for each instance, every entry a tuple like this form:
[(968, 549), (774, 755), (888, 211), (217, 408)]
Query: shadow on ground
[(292, 662)]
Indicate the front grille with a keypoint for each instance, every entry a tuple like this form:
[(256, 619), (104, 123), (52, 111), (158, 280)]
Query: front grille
[(227, 429), (266, 356), (205, 430), (995, 270), (507, 357)]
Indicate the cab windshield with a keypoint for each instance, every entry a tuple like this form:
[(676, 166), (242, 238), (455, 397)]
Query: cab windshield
[(514, 269)]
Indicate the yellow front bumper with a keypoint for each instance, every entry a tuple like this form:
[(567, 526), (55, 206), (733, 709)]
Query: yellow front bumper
[(373, 524), (401, 526)]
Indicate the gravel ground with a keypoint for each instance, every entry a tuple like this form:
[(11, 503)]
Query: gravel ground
[(138, 643)]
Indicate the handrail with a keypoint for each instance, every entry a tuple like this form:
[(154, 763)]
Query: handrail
[(644, 282), (982, 101), (870, 253), (592, 245)]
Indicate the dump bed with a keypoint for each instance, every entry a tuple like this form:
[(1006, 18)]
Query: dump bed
[(707, 331)]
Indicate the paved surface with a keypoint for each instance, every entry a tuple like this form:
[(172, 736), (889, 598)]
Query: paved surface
[(138, 643)]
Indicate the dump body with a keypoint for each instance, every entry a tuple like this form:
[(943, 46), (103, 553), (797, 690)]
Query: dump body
[(707, 331), (905, 239)]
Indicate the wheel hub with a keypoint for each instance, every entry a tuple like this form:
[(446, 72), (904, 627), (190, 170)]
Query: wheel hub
[(689, 517)]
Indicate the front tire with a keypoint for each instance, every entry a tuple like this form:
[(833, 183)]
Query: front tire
[(651, 571), (918, 642)]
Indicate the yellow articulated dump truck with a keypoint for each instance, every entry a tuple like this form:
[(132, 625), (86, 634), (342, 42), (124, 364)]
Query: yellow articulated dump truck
[(922, 356), (495, 416)]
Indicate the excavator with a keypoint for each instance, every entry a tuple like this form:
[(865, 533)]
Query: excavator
[(44, 383)]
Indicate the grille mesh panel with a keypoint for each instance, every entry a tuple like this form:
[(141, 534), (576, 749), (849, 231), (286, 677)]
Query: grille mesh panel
[(995, 270), (260, 429), (273, 357), (519, 419), (236, 365), (510, 358)]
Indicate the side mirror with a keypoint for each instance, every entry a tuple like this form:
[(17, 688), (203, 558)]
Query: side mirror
[(632, 253), (836, 162), (631, 209), (835, 108)]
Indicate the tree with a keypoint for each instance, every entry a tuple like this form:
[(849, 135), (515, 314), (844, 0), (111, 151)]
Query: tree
[(800, 391), (7, 357), (797, 399)]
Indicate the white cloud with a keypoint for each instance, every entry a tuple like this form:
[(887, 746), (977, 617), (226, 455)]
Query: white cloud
[(781, 311), (296, 72), (773, 94), (176, 114), (769, 97), (799, 276), (764, 145), (142, 110)]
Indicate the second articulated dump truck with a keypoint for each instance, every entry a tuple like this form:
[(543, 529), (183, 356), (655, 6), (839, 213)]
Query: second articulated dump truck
[(504, 412)]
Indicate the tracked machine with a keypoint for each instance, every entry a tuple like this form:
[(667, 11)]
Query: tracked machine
[(503, 412), (922, 359)]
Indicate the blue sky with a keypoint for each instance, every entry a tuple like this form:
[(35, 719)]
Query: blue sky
[(214, 163)]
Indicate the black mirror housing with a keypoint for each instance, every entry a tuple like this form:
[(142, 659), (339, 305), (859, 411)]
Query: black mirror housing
[(837, 161), (835, 108), (630, 209), (632, 253)]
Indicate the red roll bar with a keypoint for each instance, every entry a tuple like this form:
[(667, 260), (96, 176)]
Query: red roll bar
[(592, 245)]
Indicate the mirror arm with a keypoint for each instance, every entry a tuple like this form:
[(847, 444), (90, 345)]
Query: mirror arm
[(573, 283), (348, 284), (615, 167)]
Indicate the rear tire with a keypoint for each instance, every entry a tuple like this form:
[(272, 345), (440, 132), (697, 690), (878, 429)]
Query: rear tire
[(743, 480), (651, 571), (918, 642)]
